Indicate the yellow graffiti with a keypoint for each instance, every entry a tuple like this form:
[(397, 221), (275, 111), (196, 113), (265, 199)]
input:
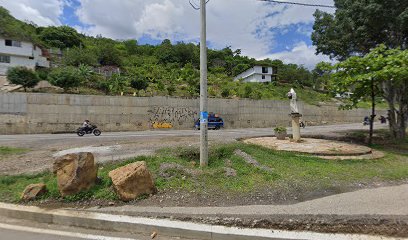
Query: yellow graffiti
[(162, 125)]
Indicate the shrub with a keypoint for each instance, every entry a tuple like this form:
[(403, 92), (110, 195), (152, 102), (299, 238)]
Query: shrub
[(22, 76), (66, 77), (279, 129), (139, 83)]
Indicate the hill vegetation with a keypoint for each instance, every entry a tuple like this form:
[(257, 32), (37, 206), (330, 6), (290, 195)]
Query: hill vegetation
[(146, 70)]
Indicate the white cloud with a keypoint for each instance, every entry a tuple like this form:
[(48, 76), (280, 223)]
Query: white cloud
[(300, 54), (41, 12), (243, 24), (246, 24)]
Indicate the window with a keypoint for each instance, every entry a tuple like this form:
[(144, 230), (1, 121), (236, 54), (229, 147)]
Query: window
[(264, 69), (4, 59), (263, 76), (12, 43)]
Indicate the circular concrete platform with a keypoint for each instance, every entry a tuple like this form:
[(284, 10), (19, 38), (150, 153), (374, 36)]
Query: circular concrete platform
[(327, 149)]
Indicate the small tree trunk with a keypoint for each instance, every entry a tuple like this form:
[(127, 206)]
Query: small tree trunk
[(370, 138), (389, 95), (402, 112)]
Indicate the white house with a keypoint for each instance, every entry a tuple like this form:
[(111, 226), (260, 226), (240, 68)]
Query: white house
[(21, 53), (258, 74)]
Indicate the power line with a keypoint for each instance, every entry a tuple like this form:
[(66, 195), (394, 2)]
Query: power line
[(298, 3), (195, 6)]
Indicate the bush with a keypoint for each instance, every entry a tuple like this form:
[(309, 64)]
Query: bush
[(279, 129), (66, 77), (43, 73), (22, 76), (139, 83)]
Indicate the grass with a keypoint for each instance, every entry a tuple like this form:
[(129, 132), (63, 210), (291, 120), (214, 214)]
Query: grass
[(378, 105), (290, 171), (5, 151)]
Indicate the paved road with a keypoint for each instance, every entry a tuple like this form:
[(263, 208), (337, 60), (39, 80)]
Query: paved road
[(114, 146), (24, 230), (226, 133)]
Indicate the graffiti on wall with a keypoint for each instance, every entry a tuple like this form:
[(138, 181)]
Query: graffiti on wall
[(167, 117)]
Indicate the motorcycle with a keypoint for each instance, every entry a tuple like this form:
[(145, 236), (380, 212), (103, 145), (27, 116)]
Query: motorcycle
[(366, 121), (88, 130)]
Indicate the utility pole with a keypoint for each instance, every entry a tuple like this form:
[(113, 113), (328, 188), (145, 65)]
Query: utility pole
[(203, 88), (203, 83)]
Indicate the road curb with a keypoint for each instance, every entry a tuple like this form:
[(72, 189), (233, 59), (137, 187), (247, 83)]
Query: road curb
[(120, 223)]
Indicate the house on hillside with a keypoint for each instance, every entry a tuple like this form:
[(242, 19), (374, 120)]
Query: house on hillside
[(260, 74), (21, 53)]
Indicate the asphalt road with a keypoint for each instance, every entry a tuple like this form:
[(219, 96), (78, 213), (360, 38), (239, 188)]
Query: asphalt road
[(116, 146), (224, 133), (12, 229)]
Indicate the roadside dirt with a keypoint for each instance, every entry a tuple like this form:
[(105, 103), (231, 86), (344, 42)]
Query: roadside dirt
[(395, 226), (39, 158), (385, 225)]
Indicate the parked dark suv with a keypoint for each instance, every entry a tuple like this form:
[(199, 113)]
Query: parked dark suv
[(214, 122)]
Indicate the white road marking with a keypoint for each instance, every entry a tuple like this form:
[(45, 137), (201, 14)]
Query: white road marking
[(59, 233)]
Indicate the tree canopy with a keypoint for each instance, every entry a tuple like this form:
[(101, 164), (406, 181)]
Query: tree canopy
[(384, 71), (60, 37), (360, 25)]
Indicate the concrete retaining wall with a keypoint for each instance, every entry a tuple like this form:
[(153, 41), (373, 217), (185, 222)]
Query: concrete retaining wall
[(46, 113)]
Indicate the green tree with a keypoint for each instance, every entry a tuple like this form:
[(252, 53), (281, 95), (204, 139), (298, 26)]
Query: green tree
[(360, 25), (321, 75), (108, 54), (381, 72), (65, 77), (165, 52), (22, 76), (60, 37), (76, 56), (131, 47)]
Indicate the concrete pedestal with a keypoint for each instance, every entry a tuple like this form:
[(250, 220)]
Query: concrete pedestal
[(296, 126)]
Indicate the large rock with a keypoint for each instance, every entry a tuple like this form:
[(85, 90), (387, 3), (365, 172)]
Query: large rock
[(33, 191), (75, 172), (132, 180)]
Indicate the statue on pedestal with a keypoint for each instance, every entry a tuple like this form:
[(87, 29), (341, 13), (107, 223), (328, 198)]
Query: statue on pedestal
[(293, 102)]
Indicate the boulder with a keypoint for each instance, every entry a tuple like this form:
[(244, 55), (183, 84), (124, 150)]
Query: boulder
[(33, 191), (230, 172), (132, 181), (75, 172)]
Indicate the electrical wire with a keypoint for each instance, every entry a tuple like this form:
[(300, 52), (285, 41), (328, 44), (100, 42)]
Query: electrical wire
[(195, 6), (298, 3)]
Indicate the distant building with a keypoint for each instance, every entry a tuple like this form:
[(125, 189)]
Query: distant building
[(258, 74), (21, 53), (107, 71)]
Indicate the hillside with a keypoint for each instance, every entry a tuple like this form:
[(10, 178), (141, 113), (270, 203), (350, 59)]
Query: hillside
[(98, 65)]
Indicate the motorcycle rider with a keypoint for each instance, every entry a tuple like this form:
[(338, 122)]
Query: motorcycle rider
[(86, 125), (366, 120)]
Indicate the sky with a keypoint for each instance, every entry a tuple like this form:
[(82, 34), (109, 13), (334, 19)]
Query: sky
[(261, 30)]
